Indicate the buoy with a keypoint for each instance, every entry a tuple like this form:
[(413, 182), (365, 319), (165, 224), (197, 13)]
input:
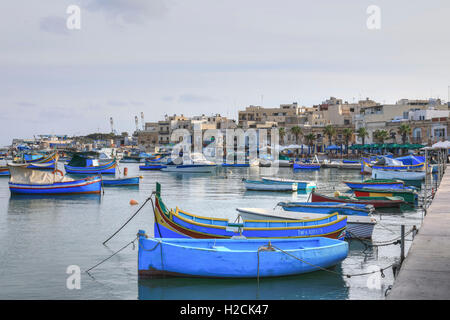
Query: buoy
[(141, 177), (337, 193), (125, 171), (133, 202)]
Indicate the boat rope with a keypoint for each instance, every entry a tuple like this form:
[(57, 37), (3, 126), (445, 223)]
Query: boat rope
[(149, 198), (332, 271), (104, 260)]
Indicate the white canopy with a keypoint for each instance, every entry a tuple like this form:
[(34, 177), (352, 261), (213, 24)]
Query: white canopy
[(442, 144), (22, 175)]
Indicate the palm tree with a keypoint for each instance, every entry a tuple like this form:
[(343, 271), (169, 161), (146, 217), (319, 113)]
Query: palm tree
[(362, 133), (310, 137), (282, 133), (297, 131), (330, 131), (405, 131), (347, 133), (381, 135)]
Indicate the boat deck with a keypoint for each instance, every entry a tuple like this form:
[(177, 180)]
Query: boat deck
[(425, 273)]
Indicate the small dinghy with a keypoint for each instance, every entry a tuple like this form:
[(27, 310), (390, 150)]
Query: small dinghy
[(256, 185), (82, 165), (306, 166), (232, 258), (397, 174), (408, 195), (124, 181)]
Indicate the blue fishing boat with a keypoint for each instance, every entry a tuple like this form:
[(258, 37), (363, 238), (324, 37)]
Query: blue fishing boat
[(231, 258), (306, 166), (376, 184), (35, 160), (348, 209), (118, 182), (82, 165), (152, 166), (177, 223), (36, 182)]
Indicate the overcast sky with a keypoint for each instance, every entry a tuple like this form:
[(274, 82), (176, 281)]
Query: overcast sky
[(196, 57)]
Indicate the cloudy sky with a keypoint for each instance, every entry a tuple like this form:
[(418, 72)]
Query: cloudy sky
[(209, 56)]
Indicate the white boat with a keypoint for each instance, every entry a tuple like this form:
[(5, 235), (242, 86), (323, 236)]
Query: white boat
[(301, 185), (397, 174), (273, 163), (196, 163), (255, 185), (357, 226)]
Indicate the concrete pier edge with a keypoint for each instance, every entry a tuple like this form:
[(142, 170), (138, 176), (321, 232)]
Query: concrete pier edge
[(425, 273)]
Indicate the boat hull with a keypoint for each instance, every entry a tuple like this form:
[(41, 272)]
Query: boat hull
[(357, 226), (83, 186), (301, 185), (194, 168), (109, 168), (376, 185), (398, 174), (386, 203), (227, 258), (131, 181), (410, 197), (348, 209), (152, 167), (306, 166), (269, 186)]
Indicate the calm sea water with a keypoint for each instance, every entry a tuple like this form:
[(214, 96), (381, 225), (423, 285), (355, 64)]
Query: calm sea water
[(41, 237)]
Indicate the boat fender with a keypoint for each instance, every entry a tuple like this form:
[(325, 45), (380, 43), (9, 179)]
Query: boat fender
[(133, 202), (125, 171), (59, 171)]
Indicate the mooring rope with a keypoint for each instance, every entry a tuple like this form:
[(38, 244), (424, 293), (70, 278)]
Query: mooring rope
[(149, 198), (104, 260)]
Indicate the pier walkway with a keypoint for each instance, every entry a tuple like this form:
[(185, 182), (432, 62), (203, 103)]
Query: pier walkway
[(425, 273)]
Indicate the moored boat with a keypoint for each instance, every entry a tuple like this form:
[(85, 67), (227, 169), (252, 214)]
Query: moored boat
[(398, 174), (377, 202), (357, 225), (231, 258), (301, 185), (348, 209), (306, 166), (124, 181), (408, 195), (376, 183), (195, 163), (256, 185), (83, 165), (37, 182), (4, 171), (175, 223)]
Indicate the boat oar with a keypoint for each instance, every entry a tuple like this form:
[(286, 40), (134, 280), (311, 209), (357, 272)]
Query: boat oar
[(130, 218)]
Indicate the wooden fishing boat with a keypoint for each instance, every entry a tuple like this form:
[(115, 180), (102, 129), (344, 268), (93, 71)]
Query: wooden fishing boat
[(48, 161), (231, 258), (398, 174), (357, 225), (348, 209), (125, 181), (37, 182), (377, 202), (376, 184), (177, 223), (83, 165), (301, 185), (152, 167), (408, 195), (256, 185)]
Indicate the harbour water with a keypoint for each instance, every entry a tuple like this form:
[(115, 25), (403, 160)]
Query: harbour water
[(42, 236)]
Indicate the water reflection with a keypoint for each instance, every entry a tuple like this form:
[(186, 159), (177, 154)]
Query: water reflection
[(315, 285)]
